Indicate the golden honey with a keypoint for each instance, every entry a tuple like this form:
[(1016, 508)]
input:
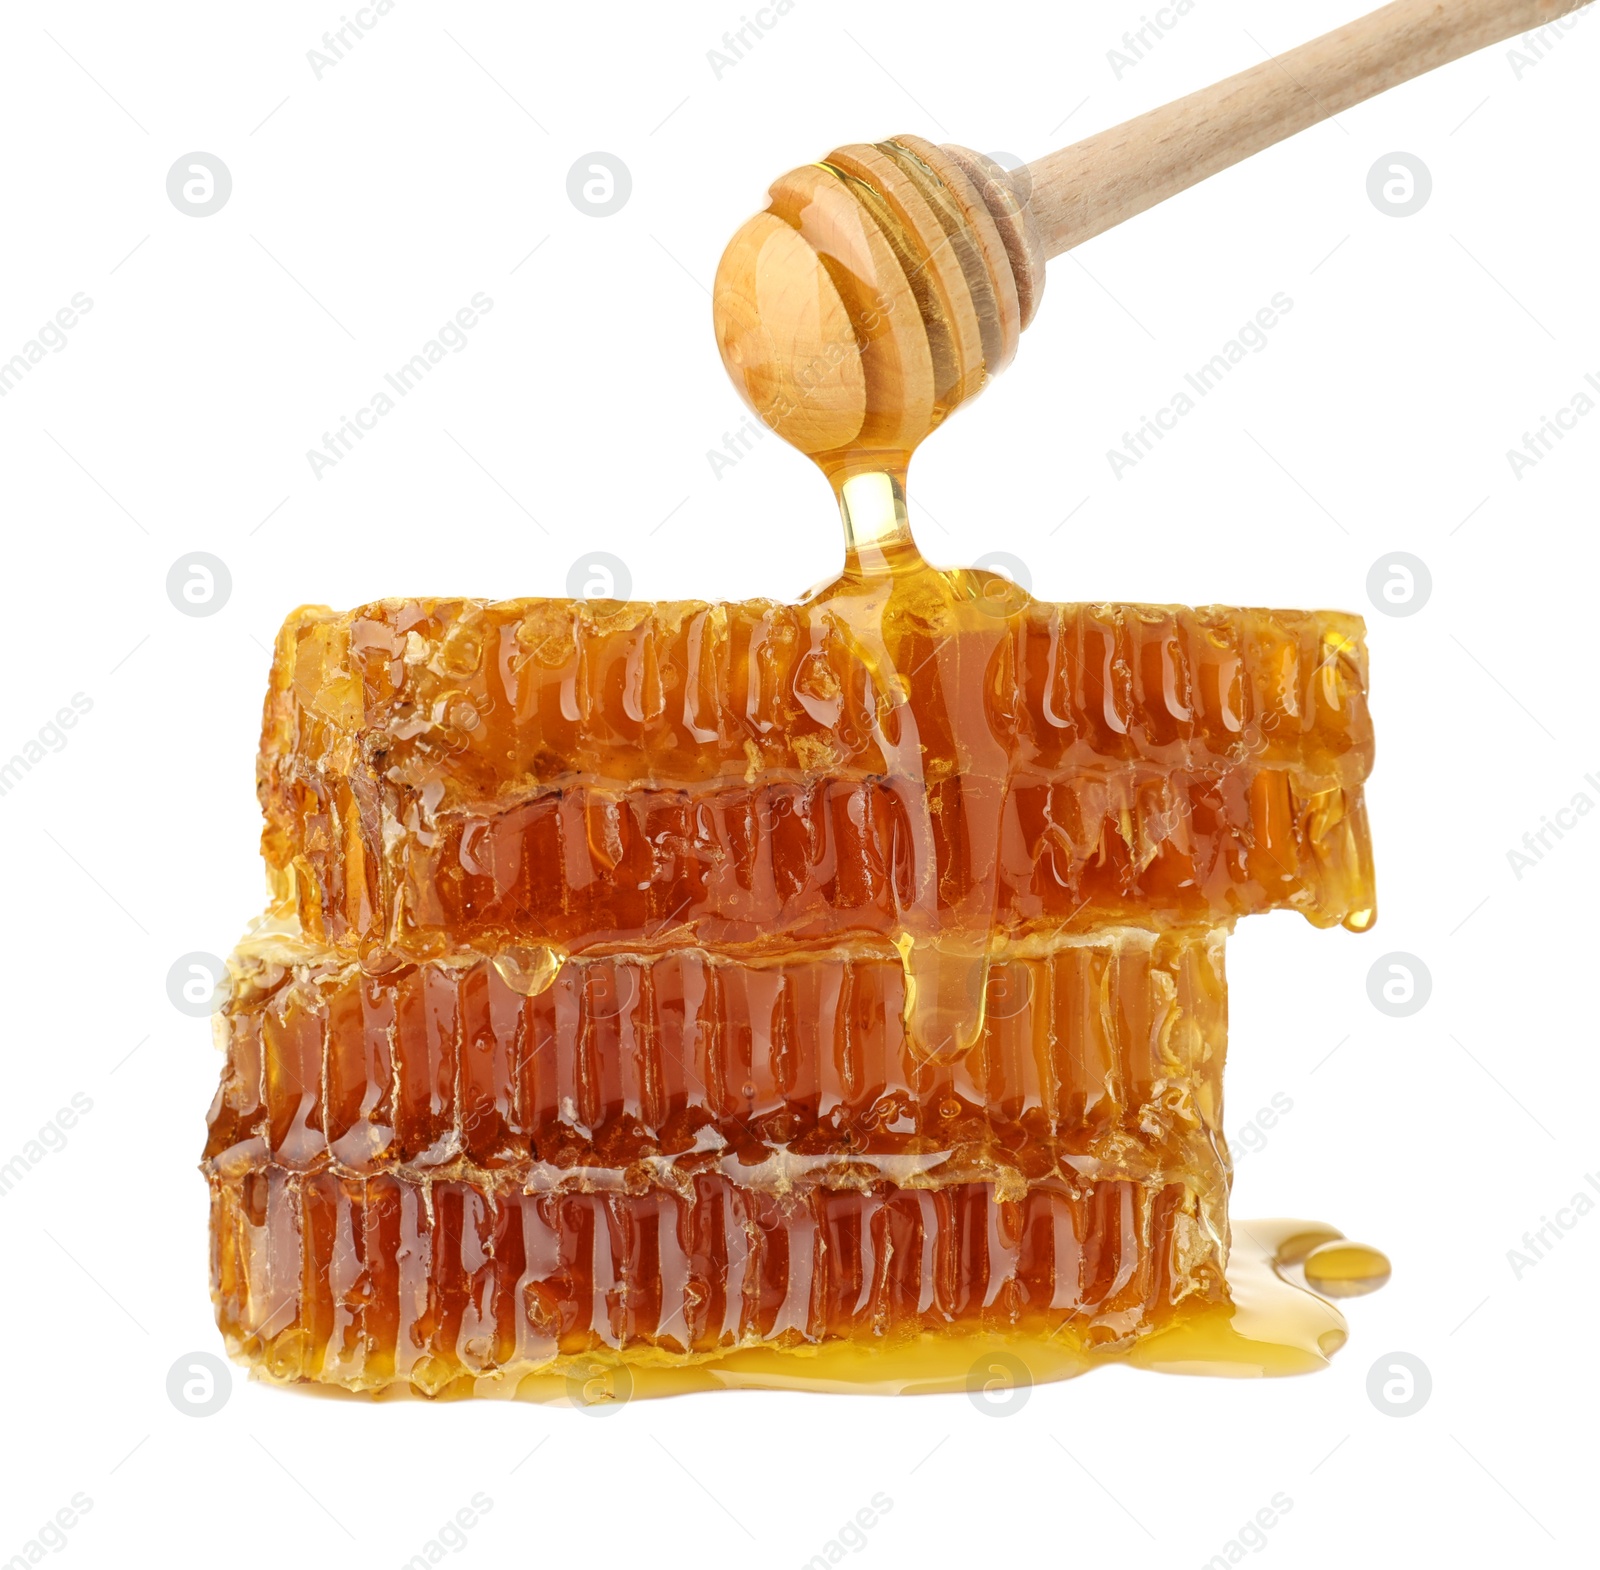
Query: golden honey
[(674, 996), (683, 980)]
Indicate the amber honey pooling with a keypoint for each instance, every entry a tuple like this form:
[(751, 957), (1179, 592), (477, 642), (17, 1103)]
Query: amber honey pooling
[(826, 994)]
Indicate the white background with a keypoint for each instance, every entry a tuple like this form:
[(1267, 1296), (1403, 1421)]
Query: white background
[(367, 207)]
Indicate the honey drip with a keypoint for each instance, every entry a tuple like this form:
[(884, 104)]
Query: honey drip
[(680, 996)]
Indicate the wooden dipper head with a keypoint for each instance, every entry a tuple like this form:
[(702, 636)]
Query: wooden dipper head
[(880, 289), (888, 283)]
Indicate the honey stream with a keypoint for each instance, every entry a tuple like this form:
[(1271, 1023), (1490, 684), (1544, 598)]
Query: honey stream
[(928, 641)]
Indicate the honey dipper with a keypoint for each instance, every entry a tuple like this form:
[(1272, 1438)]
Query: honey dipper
[(887, 284)]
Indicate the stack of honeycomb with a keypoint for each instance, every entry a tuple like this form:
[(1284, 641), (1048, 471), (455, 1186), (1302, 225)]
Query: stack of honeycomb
[(584, 1017)]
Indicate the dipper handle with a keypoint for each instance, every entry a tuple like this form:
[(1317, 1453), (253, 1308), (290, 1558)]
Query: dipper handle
[(1085, 189)]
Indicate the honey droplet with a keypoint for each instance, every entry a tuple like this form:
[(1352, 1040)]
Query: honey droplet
[(1301, 1242), (1345, 1269), (527, 971)]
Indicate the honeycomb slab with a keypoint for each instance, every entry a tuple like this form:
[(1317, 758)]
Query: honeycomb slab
[(713, 989)]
